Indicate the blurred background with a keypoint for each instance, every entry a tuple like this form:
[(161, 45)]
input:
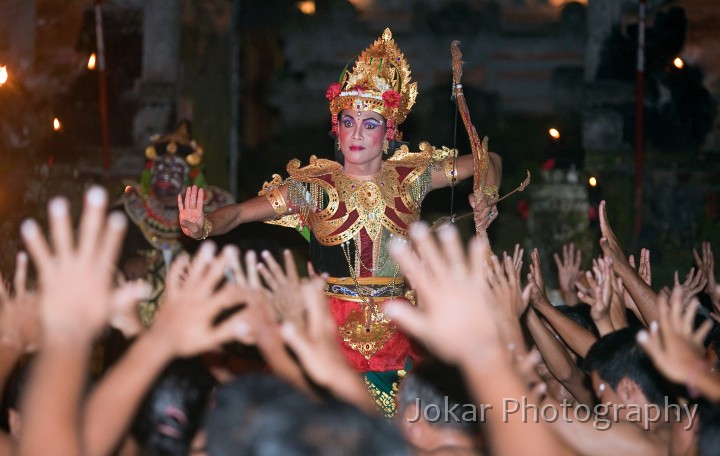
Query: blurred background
[(556, 86)]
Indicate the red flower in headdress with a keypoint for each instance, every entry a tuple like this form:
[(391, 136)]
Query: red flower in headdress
[(333, 91), (593, 214), (523, 209), (391, 98), (548, 164)]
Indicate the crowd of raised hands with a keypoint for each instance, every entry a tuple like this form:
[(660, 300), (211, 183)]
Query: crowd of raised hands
[(475, 310)]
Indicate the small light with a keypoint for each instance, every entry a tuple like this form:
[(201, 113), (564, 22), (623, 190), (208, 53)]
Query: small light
[(307, 7), (3, 75), (554, 133), (56, 124), (91, 62), (678, 62), (592, 181)]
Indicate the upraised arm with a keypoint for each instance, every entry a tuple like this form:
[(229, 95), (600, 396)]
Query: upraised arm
[(75, 293), (639, 290), (18, 329), (182, 328), (198, 225), (557, 359), (458, 322)]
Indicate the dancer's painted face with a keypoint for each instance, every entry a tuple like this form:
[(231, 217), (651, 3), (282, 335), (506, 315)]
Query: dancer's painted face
[(168, 175), (361, 135)]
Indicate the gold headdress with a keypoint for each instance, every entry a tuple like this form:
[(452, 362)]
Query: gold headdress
[(176, 143), (379, 82), (179, 144)]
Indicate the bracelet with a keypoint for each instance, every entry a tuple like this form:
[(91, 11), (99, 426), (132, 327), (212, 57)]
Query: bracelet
[(275, 197), (450, 172), (207, 228), (492, 192)]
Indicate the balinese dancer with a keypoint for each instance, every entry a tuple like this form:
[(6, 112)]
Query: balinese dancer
[(172, 162), (353, 210)]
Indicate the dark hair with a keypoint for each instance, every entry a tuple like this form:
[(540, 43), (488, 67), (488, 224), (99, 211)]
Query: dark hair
[(617, 355), (431, 382), (171, 413), (259, 414), (708, 434), (580, 314)]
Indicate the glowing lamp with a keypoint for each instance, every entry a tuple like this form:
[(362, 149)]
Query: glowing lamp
[(307, 7)]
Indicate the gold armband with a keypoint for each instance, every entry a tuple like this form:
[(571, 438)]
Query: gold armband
[(275, 197), (207, 228), (492, 192), (450, 170)]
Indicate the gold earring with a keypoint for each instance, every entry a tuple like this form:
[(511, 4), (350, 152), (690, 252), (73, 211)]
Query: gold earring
[(385, 146)]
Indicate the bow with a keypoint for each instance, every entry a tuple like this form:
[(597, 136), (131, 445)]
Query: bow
[(479, 148)]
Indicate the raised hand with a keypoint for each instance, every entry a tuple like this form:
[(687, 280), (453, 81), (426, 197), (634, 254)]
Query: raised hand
[(536, 271), (460, 322), (608, 242), (618, 311), (517, 259), (511, 304), (694, 282), (643, 269), (314, 341), (568, 272), (75, 280), (285, 286), (186, 320), (191, 213), (600, 311), (636, 285), (585, 293), (675, 347), (454, 292), (19, 321), (123, 305), (76, 277), (706, 264)]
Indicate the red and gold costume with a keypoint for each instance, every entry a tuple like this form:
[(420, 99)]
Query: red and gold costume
[(352, 219)]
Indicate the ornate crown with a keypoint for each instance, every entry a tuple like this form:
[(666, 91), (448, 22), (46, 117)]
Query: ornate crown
[(176, 143), (379, 82)]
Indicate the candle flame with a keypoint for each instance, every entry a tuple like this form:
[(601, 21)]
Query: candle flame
[(91, 62), (307, 7), (3, 75), (554, 133), (592, 181), (678, 62), (56, 124)]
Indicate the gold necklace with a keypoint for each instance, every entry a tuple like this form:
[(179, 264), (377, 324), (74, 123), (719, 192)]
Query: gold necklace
[(364, 292), (362, 263)]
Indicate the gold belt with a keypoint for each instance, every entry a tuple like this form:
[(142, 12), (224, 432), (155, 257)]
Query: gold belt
[(378, 288)]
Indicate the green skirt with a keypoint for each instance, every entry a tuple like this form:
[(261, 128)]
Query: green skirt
[(383, 387)]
